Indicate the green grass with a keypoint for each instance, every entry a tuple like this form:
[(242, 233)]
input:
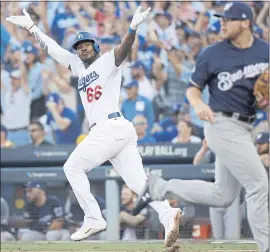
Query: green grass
[(147, 247)]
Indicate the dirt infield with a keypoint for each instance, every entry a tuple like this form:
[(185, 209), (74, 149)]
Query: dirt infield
[(150, 246)]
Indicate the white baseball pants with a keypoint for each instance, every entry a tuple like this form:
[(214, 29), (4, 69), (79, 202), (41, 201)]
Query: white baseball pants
[(114, 140)]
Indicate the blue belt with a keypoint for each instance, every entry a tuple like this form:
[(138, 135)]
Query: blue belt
[(110, 116), (114, 115)]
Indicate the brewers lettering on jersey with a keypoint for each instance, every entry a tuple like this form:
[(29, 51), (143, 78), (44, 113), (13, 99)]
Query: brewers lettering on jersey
[(230, 69), (111, 136)]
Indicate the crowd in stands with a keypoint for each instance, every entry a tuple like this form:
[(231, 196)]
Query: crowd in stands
[(39, 97)]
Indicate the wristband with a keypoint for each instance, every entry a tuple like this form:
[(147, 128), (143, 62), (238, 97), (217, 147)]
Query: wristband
[(131, 31)]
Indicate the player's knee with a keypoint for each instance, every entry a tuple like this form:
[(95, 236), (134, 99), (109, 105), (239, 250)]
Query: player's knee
[(227, 201), (6, 236), (68, 167), (226, 198)]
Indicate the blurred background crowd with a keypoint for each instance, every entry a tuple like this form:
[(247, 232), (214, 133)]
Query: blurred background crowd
[(37, 92)]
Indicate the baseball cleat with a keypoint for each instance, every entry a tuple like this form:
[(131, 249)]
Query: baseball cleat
[(83, 233), (171, 226), (143, 200)]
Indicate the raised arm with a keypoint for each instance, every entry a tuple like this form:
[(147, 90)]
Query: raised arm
[(124, 48), (61, 55)]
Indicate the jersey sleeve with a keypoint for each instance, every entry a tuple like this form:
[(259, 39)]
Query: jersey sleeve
[(61, 55), (200, 73), (109, 61)]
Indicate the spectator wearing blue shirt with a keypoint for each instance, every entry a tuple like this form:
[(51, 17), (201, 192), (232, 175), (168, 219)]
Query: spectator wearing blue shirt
[(63, 19), (138, 71), (137, 105), (166, 129), (140, 124), (34, 70), (63, 120)]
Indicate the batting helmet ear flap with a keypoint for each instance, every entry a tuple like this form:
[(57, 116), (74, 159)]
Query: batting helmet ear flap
[(96, 47)]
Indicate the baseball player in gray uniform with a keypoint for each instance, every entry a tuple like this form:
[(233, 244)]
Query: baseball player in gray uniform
[(230, 69), (45, 215), (5, 234)]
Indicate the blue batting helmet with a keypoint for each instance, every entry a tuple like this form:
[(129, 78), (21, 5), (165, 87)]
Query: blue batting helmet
[(86, 36)]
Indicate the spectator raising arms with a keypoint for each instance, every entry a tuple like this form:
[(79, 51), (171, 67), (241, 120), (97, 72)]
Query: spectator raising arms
[(34, 70), (16, 108)]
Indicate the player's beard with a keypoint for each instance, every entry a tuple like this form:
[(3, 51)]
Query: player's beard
[(88, 61)]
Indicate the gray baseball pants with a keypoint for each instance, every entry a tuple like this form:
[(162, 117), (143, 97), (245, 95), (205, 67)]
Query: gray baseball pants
[(51, 235), (6, 236), (237, 164)]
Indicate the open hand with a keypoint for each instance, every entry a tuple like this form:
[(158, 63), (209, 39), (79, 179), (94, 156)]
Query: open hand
[(139, 17), (22, 21), (204, 112)]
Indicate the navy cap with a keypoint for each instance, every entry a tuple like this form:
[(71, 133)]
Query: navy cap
[(237, 10), (35, 184), (31, 49), (214, 28), (132, 84), (138, 64), (54, 97), (180, 25), (165, 14), (4, 129), (262, 138)]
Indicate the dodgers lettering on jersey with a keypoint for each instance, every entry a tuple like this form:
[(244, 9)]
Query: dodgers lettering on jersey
[(99, 86), (230, 73)]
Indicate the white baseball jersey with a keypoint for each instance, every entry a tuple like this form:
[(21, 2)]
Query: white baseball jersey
[(99, 86)]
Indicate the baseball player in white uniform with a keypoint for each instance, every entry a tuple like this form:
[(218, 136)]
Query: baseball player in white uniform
[(111, 136)]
